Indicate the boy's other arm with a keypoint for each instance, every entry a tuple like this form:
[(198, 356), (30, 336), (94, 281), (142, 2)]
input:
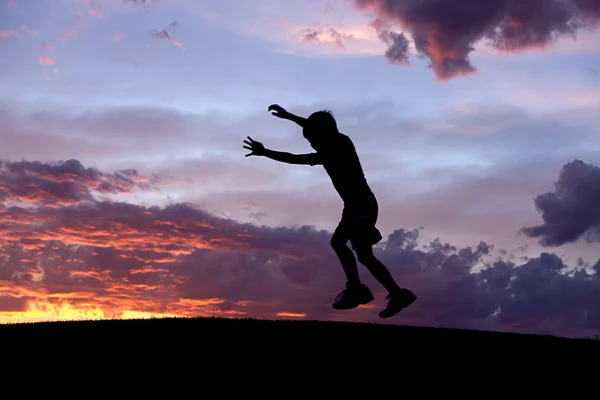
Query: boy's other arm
[(281, 112), (301, 121)]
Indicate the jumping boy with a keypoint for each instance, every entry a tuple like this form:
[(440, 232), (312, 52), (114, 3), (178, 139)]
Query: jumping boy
[(336, 153)]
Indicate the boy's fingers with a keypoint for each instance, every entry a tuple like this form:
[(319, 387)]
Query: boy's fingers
[(247, 147), (250, 139), (248, 143)]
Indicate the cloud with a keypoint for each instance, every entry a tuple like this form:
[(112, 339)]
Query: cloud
[(446, 183), (117, 37), (25, 28), (445, 31), (95, 9), (64, 182), (398, 45), (326, 35), (85, 258), (55, 132), (12, 3), (77, 24), (164, 34), (6, 34), (572, 211), (45, 60)]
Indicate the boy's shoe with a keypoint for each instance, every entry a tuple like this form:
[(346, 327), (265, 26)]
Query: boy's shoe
[(352, 297), (397, 302)]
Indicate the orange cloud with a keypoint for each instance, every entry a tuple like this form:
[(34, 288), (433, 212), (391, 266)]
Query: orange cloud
[(45, 60), (291, 315), (84, 258)]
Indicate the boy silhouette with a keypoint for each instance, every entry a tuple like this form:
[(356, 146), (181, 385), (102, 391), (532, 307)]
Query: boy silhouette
[(336, 153)]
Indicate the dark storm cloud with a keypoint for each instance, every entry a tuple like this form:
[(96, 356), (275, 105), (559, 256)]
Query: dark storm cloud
[(445, 31), (572, 211)]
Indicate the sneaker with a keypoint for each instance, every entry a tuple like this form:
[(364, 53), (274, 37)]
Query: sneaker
[(364, 294), (397, 302), (352, 297)]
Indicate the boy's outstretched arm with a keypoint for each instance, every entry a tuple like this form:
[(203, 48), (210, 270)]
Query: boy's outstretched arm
[(281, 112), (289, 158), (257, 149)]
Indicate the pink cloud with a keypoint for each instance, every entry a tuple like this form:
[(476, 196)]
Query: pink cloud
[(25, 28), (281, 21), (46, 46), (55, 70), (7, 34), (12, 3), (45, 60), (328, 36), (95, 10), (73, 30), (117, 37)]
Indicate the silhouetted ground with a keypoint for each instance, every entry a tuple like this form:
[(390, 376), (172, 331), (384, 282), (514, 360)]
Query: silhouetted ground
[(314, 339), (208, 357)]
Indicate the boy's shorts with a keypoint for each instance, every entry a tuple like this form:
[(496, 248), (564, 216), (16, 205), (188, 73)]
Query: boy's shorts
[(358, 224)]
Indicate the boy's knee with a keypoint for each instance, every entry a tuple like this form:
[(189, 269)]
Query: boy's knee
[(337, 242)]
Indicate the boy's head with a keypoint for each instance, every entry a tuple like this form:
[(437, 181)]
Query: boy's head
[(321, 126)]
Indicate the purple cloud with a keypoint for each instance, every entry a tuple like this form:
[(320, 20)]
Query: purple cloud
[(445, 31), (124, 258), (572, 211)]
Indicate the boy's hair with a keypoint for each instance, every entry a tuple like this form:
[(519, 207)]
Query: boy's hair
[(324, 120)]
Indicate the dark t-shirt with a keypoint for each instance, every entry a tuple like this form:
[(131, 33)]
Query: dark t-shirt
[(341, 162)]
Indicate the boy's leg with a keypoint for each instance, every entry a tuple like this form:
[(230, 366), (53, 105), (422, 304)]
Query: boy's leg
[(364, 236), (338, 242), (356, 293), (377, 269), (398, 298)]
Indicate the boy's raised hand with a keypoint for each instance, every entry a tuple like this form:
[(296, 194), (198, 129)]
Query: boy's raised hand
[(256, 148), (278, 111)]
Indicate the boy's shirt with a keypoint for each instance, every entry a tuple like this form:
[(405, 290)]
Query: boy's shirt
[(341, 162)]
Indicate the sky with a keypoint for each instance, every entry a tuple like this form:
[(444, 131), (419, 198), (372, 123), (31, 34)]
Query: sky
[(125, 191)]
